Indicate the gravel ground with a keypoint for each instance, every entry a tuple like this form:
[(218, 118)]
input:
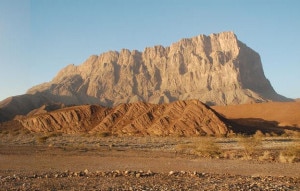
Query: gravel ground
[(145, 180), (89, 163)]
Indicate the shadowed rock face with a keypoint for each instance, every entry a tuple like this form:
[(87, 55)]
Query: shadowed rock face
[(217, 69), (180, 118)]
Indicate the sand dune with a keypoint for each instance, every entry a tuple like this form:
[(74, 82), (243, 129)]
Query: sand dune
[(274, 114)]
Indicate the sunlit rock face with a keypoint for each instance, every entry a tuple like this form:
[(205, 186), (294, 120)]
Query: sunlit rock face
[(217, 69)]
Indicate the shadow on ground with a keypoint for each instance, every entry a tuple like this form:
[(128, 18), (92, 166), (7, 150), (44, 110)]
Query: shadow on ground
[(251, 125)]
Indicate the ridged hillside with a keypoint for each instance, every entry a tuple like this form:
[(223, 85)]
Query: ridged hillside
[(180, 118)]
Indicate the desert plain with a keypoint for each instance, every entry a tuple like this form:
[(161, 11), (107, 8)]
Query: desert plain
[(264, 158)]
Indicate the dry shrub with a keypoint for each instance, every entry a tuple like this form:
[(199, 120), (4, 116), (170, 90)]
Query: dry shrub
[(231, 135), (250, 145), (205, 148), (273, 134), (267, 156), (184, 148), (283, 158), (258, 134), (208, 148), (43, 139), (291, 133), (230, 154), (295, 134), (290, 154)]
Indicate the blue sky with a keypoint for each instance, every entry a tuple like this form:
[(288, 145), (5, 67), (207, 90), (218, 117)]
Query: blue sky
[(40, 37)]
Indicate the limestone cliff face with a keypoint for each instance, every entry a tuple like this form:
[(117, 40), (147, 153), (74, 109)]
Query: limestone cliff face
[(217, 69), (181, 118)]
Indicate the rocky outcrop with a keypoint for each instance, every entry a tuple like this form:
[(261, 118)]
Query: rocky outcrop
[(21, 105), (180, 118), (74, 119), (217, 69)]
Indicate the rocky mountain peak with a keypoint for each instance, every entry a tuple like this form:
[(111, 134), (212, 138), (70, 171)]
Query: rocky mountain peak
[(217, 69)]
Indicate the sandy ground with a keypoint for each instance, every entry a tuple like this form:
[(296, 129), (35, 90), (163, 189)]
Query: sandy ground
[(104, 165), (39, 160), (281, 114), (56, 161)]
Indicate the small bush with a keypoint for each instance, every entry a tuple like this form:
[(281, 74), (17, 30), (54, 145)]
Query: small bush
[(230, 154), (266, 156), (204, 148), (208, 148), (283, 158), (43, 138), (258, 134), (290, 154), (291, 133), (250, 145)]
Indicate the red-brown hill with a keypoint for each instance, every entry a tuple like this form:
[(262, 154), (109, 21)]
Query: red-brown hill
[(180, 118)]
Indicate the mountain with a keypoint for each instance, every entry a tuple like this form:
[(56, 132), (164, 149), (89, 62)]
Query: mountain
[(180, 118), (217, 69)]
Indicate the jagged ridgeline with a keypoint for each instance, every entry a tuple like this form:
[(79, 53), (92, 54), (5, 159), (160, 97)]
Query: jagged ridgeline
[(217, 69)]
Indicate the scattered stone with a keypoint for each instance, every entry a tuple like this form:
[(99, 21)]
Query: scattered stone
[(131, 180), (171, 173), (149, 173), (138, 175), (86, 171)]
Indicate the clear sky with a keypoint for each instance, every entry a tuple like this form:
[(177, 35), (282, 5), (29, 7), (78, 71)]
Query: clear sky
[(40, 37)]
